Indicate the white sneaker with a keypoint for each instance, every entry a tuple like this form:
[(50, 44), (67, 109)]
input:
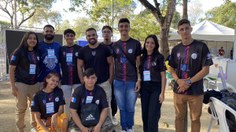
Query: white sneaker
[(114, 121), (130, 130)]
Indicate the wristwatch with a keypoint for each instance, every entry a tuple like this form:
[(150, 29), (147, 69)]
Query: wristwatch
[(189, 81)]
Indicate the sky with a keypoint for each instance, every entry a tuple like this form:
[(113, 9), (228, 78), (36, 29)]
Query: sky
[(71, 16)]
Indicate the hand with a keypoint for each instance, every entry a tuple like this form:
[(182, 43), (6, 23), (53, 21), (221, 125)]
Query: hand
[(137, 85), (110, 80), (85, 129), (54, 121), (14, 90), (183, 85), (97, 128), (161, 97)]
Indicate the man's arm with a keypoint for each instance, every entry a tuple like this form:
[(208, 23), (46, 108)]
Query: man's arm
[(138, 83), (103, 117), (80, 65), (201, 74), (110, 61), (77, 120)]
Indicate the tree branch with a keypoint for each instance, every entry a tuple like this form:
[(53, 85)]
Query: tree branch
[(27, 18)]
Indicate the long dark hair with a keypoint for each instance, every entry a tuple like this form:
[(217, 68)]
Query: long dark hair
[(51, 74), (156, 49), (23, 44)]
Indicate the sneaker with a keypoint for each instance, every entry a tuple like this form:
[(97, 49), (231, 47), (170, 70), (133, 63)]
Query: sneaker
[(33, 129), (114, 121), (130, 130)]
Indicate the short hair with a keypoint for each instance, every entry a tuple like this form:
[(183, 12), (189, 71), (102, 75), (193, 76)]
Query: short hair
[(89, 72), (183, 21), (91, 29), (48, 25), (108, 27), (69, 31), (123, 20)]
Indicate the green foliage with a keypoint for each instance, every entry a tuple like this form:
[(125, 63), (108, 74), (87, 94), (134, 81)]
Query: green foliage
[(143, 25), (224, 14), (175, 19)]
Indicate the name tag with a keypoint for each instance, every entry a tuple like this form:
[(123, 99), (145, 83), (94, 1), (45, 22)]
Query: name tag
[(69, 57), (89, 99), (50, 107), (51, 53), (146, 76), (32, 69)]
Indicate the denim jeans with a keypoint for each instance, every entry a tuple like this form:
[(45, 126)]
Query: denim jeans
[(125, 98)]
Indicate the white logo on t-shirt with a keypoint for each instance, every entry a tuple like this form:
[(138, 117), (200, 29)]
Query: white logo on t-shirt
[(90, 117)]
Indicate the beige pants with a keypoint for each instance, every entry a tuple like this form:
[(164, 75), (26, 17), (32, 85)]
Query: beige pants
[(25, 94), (195, 107), (107, 88)]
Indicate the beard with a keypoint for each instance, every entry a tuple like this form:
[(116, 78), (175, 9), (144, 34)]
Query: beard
[(93, 42), (49, 37)]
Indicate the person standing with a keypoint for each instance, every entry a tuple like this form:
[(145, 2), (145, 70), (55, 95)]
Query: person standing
[(221, 51), (68, 55), (48, 106), (127, 79), (98, 57), (49, 53), (153, 74), (24, 68), (189, 63), (107, 33)]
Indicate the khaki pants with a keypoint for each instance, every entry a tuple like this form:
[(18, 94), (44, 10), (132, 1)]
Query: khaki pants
[(25, 94), (107, 88), (195, 106)]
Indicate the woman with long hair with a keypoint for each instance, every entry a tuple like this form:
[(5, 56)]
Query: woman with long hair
[(24, 67), (152, 70)]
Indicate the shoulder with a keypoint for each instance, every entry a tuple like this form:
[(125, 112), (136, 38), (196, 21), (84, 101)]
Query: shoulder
[(132, 40)]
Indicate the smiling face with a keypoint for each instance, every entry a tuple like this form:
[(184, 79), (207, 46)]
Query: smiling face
[(124, 28), (69, 37), (52, 82), (31, 41), (150, 44), (92, 37), (48, 33)]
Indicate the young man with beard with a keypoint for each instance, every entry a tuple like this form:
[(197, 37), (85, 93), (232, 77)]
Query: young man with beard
[(68, 55), (189, 63), (99, 58), (127, 79), (107, 34), (49, 53)]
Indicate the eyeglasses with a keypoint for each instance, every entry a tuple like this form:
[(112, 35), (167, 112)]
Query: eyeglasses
[(70, 35)]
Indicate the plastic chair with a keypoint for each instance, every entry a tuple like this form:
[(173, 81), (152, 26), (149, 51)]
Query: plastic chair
[(218, 109)]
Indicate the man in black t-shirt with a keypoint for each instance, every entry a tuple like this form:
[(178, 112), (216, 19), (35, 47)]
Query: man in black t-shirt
[(98, 57), (68, 55), (87, 94), (127, 81), (189, 63)]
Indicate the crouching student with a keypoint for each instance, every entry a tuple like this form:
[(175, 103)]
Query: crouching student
[(89, 106), (48, 106)]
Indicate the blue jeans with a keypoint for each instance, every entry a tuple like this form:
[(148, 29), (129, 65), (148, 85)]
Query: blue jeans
[(126, 98)]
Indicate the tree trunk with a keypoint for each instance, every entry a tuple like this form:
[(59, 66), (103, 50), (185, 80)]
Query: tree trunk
[(185, 9), (164, 46)]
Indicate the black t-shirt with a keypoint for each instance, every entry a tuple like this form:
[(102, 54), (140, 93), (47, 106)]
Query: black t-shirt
[(68, 60), (80, 94), (27, 66), (109, 46), (47, 104), (187, 61), (154, 63), (125, 54), (97, 59)]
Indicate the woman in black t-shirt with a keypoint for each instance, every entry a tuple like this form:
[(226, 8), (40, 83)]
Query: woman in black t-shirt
[(153, 74), (48, 106)]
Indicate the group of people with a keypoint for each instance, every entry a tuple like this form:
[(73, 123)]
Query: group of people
[(75, 88)]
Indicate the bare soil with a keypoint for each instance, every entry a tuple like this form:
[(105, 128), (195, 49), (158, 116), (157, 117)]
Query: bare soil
[(166, 124)]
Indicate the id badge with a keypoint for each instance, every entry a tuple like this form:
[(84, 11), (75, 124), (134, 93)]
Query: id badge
[(69, 57), (51, 53), (32, 69), (49, 107), (89, 99), (146, 76), (122, 60)]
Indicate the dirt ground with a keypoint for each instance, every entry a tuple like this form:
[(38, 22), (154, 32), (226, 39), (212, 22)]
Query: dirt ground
[(166, 124)]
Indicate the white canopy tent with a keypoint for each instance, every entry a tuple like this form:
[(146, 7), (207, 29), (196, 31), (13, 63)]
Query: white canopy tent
[(208, 31)]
